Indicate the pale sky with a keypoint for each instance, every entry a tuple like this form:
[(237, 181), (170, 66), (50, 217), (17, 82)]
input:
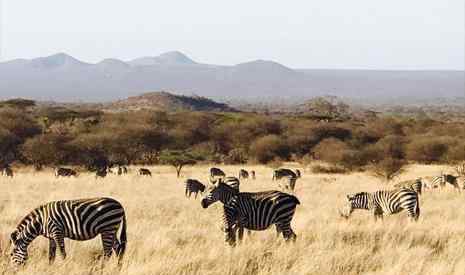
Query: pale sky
[(364, 34)]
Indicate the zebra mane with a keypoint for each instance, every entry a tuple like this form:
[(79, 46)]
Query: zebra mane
[(227, 187)]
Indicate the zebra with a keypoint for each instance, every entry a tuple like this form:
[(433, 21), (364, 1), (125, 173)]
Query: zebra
[(64, 172), (252, 211), (385, 202), (216, 172), (145, 172), (193, 186), (101, 173), (445, 178), (283, 172), (252, 174), (79, 220), (243, 174), (7, 171), (416, 185), (120, 171)]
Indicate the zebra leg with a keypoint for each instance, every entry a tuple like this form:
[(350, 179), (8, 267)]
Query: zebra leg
[(108, 241), (377, 213), (195, 195), (240, 233), (52, 251), (288, 233), (60, 241)]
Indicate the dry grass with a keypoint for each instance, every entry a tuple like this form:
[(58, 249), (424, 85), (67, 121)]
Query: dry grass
[(169, 234)]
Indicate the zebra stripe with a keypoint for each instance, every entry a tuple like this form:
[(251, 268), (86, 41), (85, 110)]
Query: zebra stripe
[(253, 211), (386, 202), (74, 219), (193, 186), (281, 173)]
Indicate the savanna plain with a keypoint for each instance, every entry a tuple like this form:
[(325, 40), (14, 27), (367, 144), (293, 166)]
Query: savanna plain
[(170, 234)]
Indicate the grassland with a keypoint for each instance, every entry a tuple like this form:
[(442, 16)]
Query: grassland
[(169, 234)]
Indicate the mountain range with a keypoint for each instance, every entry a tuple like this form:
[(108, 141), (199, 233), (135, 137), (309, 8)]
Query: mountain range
[(63, 78)]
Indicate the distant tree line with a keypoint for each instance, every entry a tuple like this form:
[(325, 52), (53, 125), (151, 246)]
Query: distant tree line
[(50, 136)]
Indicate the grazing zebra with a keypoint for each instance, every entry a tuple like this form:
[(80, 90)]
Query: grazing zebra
[(120, 171), (243, 174), (385, 202), (64, 172), (79, 220), (283, 172), (415, 185), (445, 178), (252, 211), (193, 186), (145, 172), (101, 173), (252, 173), (216, 172), (7, 171)]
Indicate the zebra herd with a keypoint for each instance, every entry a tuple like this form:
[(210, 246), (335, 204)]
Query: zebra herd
[(85, 219)]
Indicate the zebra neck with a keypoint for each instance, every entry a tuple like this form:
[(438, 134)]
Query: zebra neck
[(226, 196)]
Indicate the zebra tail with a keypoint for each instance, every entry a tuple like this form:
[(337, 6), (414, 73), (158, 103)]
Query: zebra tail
[(123, 240)]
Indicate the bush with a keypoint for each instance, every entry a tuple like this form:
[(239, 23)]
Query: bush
[(267, 148), (331, 150), (426, 149), (328, 169), (388, 168)]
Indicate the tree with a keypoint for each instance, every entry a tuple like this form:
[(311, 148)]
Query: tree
[(48, 149), (179, 159), (388, 168)]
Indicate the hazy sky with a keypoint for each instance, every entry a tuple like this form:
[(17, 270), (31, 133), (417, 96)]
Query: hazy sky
[(389, 34)]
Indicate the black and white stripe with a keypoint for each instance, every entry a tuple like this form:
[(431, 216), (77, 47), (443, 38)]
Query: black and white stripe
[(193, 186), (64, 172), (386, 202), (231, 181), (79, 220), (253, 211)]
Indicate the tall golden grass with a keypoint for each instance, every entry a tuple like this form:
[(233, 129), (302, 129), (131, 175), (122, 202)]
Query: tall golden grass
[(169, 234)]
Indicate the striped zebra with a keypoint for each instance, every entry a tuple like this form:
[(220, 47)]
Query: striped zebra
[(7, 171), (194, 186), (216, 172), (282, 173), (64, 172), (252, 211), (385, 202), (445, 178), (243, 174), (101, 173), (78, 220), (145, 172), (416, 185)]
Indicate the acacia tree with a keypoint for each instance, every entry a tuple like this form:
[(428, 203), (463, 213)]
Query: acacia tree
[(178, 159)]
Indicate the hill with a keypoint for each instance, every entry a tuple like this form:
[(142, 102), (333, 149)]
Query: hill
[(63, 78), (164, 101)]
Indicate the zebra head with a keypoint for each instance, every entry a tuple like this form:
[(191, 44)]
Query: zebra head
[(18, 254), (356, 201), (218, 191)]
